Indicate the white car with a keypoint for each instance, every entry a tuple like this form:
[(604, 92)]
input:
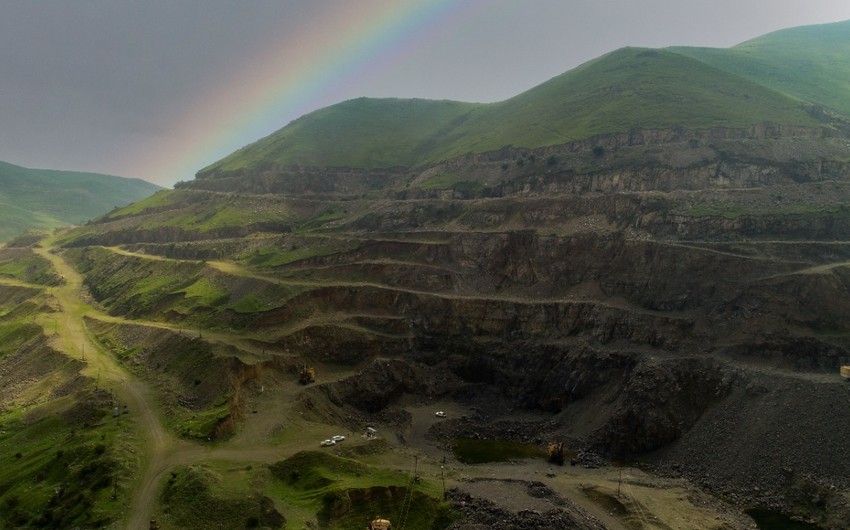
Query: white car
[(440, 414), (328, 442), (338, 438)]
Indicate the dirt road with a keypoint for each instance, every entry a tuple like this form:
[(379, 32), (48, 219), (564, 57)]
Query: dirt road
[(73, 339)]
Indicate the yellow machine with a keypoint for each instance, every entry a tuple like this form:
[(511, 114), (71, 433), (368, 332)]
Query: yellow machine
[(307, 376), (845, 372), (555, 452), (379, 524)]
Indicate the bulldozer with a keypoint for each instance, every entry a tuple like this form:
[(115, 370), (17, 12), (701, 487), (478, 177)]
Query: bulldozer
[(555, 452), (307, 375), (379, 523)]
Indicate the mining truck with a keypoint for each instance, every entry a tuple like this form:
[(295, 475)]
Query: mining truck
[(845, 372), (555, 452), (307, 376), (379, 523)]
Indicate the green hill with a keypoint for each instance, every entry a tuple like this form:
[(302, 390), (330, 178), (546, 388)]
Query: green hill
[(40, 198), (808, 62), (628, 88)]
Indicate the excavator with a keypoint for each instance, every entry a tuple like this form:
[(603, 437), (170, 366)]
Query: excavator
[(555, 452), (307, 375), (379, 523)]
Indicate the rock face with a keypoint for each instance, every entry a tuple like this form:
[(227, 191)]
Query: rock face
[(674, 290)]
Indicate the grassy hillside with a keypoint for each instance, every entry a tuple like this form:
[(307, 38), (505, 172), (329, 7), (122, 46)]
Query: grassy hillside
[(628, 88), (40, 198), (358, 133), (809, 62)]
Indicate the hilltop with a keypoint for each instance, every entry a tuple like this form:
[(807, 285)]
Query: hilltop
[(41, 198), (795, 77), (811, 63)]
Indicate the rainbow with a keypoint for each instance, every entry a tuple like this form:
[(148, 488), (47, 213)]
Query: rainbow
[(343, 41)]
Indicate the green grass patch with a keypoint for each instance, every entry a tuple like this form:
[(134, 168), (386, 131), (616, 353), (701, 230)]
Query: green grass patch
[(202, 424), (301, 248), (472, 451), (198, 497), (440, 181), (320, 220), (27, 266), (249, 304), (61, 471), (162, 199), (205, 293), (341, 493)]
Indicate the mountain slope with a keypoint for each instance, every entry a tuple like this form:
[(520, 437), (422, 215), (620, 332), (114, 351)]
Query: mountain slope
[(40, 198), (628, 88), (809, 62)]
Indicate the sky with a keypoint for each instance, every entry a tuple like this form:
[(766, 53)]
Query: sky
[(158, 89)]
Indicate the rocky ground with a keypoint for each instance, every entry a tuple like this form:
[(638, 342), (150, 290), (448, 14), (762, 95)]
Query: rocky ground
[(771, 440)]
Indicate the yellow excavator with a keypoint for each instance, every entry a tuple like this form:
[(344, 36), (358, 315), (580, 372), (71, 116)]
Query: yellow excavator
[(555, 452), (307, 375), (379, 523)]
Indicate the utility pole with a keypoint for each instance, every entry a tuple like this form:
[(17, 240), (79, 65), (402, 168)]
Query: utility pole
[(620, 482), (443, 476)]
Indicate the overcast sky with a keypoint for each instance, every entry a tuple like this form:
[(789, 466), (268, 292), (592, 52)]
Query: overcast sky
[(154, 88)]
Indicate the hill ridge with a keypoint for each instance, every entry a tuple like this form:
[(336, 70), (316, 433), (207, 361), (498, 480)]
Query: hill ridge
[(616, 92), (48, 198)]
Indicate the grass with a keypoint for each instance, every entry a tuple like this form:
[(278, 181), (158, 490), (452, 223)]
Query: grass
[(298, 249), (448, 181), (475, 451), (197, 497), (202, 424), (344, 493), (204, 293), (60, 471), (136, 285), (619, 91), (61, 458), (193, 212), (176, 366), (39, 198), (810, 62), (26, 266), (307, 488)]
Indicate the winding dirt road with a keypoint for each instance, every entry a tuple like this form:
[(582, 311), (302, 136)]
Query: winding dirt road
[(73, 339)]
